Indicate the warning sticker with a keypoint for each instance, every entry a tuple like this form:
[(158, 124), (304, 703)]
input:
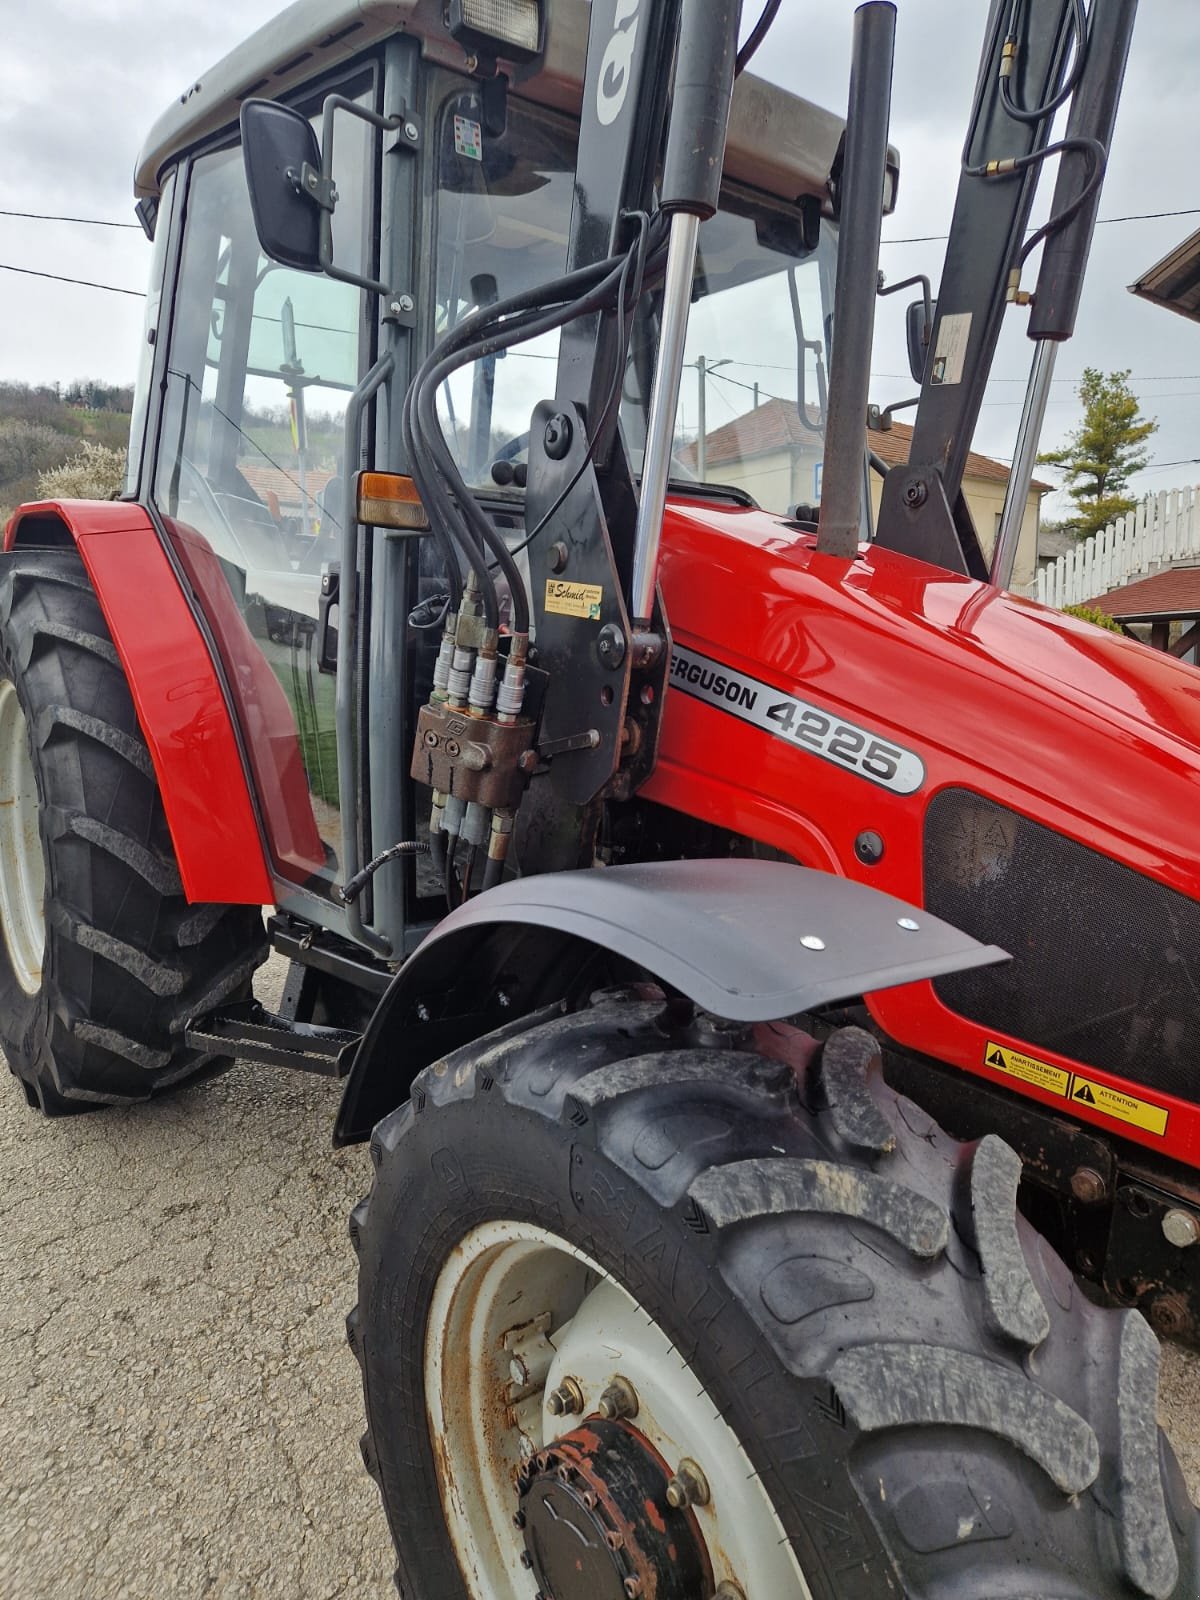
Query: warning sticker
[(1028, 1068), (468, 138), (574, 599), (950, 354), (1115, 1103)]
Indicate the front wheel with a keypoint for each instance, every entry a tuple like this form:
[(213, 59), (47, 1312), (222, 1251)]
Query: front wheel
[(645, 1313)]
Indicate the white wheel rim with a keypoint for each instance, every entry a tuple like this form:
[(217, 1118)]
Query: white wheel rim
[(22, 865), (511, 1287)]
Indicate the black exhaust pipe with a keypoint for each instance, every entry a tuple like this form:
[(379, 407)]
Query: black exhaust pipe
[(864, 173)]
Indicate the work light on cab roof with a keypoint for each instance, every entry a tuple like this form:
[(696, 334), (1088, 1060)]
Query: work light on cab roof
[(509, 28)]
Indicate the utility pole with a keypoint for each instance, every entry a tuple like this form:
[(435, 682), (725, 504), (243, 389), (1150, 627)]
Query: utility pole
[(704, 367)]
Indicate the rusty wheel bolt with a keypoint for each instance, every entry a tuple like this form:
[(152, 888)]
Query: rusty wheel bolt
[(519, 1520), (566, 1400), (633, 1587), (618, 1400), (526, 1559), (565, 1472), (688, 1486), (729, 1591), (614, 1540), (1087, 1186)]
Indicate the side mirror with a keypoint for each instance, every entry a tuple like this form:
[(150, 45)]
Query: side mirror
[(283, 174), (922, 315)]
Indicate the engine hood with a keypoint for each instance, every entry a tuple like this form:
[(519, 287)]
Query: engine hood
[(1058, 718)]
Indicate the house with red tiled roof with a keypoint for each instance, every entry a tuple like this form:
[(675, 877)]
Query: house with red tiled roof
[(775, 455)]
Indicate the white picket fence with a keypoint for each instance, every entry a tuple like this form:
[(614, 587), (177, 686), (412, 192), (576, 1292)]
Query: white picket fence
[(1163, 528)]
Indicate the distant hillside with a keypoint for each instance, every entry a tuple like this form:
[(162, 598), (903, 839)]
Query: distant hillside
[(43, 427)]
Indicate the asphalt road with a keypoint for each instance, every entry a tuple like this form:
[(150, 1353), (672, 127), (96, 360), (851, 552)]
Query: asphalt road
[(179, 1413)]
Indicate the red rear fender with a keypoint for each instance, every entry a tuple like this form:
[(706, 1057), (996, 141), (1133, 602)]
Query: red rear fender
[(176, 691)]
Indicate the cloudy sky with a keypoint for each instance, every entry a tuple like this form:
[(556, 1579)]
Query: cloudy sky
[(82, 80)]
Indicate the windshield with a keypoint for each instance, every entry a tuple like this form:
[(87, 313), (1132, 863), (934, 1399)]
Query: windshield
[(752, 405)]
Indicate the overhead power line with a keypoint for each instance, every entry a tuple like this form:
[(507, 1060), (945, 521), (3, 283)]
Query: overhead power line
[(83, 222), (58, 277), (1137, 216)]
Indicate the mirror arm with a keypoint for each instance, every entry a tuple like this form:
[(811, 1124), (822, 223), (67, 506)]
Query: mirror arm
[(881, 421), (907, 283), (324, 194)]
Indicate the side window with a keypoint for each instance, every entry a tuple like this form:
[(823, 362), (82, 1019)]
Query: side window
[(250, 476)]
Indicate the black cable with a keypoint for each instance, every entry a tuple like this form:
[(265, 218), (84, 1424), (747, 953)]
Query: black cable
[(614, 393), (84, 222), (429, 613), (85, 283), (1099, 158), (449, 880), (468, 869), (1071, 82), (539, 310), (1090, 148), (355, 885), (761, 28)]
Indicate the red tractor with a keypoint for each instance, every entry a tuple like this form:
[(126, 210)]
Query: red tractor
[(763, 954)]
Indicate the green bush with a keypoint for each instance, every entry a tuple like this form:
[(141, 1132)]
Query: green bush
[(1095, 615)]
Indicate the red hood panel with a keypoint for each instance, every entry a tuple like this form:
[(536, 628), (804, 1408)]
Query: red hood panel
[(1042, 711)]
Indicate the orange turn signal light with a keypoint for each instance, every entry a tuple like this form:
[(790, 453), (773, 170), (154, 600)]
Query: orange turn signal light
[(390, 500)]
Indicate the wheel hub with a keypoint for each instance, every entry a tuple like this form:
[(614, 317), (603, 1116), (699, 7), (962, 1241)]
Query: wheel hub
[(598, 1524)]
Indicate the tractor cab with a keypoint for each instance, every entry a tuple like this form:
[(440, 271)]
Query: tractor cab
[(452, 181)]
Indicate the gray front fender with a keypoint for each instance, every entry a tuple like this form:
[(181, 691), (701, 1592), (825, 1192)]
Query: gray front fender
[(748, 940)]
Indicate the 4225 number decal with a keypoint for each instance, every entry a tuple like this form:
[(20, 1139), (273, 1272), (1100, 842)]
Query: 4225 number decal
[(805, 726)]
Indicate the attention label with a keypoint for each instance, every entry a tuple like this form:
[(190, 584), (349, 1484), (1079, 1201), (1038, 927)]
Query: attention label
[(1080, 1090), (1028, 1068), (574, 599), (1115, 1103)]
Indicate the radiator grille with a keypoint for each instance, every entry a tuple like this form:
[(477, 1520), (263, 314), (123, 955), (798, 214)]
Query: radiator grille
[(1106, 962)]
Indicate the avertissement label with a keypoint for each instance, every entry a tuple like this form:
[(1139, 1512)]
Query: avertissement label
[(1080, 1090)]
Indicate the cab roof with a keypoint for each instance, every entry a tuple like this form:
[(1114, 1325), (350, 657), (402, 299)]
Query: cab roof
[(777, 141)]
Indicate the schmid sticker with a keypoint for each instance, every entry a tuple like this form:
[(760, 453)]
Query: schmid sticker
[(1114, 1103), (796, 722), (574, 599), (1028, 1068)]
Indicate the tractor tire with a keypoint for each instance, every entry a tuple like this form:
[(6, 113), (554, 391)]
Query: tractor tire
[(102, 960), (882, 1379)]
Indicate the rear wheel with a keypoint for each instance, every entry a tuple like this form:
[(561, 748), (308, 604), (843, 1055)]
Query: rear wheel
[(102, 960), (642, 1312)]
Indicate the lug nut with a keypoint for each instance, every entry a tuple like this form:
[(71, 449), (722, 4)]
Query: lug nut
[(526, 1559), (633, 1587), (1180, 1228), (566, 1400), (618, 1400), (688, 1486)]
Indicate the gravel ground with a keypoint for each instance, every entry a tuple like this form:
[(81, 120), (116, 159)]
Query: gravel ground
[(179, 1413)]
